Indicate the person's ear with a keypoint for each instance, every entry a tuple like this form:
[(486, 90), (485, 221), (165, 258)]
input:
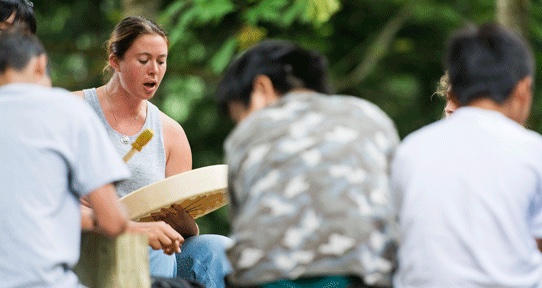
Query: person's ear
[(40, 69), (524, 88), (262, 95), (263, 92), (114, 62), (523, 97)]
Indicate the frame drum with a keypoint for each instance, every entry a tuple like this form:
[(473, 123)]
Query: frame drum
[(199, 191)]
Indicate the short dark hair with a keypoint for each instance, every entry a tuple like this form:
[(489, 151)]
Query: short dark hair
[(24, 12), (18, 48), (287, 65), (487, 61)]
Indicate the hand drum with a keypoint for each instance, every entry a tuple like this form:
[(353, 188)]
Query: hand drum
[(199, 192)]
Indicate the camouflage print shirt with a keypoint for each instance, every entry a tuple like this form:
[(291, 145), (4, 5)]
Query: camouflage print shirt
[(309, 191)]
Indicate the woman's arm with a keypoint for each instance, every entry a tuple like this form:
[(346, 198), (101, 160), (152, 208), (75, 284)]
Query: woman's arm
[(178, 160), (178, 152)]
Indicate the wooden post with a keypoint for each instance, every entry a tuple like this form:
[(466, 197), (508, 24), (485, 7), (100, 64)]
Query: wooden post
[(122, 262)]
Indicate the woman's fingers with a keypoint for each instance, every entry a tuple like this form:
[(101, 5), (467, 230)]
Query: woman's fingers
[(161, 235)]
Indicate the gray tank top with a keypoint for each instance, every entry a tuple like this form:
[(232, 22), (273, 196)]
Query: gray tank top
[(147, 166)]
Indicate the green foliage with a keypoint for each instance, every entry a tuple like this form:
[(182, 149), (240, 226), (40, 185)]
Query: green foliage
[(298, 10), (389, 52), (319, 11), (182, 95), (222, 57), (266, 11)]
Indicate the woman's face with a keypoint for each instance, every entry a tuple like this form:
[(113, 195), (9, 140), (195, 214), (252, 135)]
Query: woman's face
[(143, 66), (8, 22)]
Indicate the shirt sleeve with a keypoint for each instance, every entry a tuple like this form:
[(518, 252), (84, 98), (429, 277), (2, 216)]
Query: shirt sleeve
[(96, 162), (536, 213)]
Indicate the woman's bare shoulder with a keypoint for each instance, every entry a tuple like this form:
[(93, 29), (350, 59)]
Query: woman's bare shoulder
[(179, 155)]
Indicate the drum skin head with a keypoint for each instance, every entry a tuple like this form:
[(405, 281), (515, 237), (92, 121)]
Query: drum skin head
[(199, 191)]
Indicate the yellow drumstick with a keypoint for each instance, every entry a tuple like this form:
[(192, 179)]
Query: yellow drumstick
[(138, 144)]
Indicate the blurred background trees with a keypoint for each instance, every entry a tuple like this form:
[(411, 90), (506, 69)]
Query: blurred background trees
[(389, 52)]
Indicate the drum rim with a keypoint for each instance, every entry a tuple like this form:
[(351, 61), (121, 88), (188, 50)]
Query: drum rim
[(164, 193)]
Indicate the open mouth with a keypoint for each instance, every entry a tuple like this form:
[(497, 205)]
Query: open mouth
[(150, 84)]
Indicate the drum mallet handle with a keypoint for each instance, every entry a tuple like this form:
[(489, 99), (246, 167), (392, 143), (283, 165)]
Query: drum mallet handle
[(138, 144)]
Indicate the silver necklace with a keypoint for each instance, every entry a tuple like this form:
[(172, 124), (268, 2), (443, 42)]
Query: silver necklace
[(124, 139)]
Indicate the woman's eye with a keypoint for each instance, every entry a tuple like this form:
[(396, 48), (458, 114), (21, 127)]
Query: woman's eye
[(143, 61)]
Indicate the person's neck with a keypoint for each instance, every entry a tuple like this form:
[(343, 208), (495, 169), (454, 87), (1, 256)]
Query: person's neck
[(301, 90), (488, 104), (11, 76), (121, 101), (507, 108)]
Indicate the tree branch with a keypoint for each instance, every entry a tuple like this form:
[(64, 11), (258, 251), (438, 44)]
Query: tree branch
[(376, 51), (514, 14)]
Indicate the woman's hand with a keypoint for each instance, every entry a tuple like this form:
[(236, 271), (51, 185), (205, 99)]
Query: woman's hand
[(161, 235), (178, 219)]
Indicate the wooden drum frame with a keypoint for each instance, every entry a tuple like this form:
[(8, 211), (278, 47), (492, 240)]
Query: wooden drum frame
[(199, 191)]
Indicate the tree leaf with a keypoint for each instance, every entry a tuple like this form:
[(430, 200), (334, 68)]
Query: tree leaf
[(319, 11), (221, 59), (296, 11), (265, 10), (212, 10), (170, 11), (250, 35)]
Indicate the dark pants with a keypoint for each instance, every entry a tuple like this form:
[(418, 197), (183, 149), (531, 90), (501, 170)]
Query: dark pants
[(163, 282)]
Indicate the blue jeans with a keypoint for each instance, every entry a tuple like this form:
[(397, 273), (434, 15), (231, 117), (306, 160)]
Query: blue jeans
[(162, 265), (203, 259)]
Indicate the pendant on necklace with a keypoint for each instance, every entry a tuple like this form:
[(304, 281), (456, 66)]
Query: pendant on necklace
[(125, 139)]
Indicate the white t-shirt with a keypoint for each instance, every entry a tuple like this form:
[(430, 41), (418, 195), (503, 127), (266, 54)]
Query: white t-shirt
[(468, 193), (53, 150)]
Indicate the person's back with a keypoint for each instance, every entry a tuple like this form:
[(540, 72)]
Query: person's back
[(465, 225), (308, 175), (53, 152), (468, 188), (316, 165), (40, 212)]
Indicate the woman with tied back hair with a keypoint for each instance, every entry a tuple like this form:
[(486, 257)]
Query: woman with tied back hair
[(17, 11), (444, 90), (138, 50), (308, 175)]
